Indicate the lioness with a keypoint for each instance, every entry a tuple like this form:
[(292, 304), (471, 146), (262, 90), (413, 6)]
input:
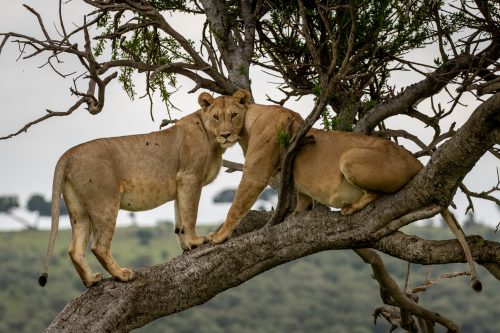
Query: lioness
[(140, 172), (342, 169)]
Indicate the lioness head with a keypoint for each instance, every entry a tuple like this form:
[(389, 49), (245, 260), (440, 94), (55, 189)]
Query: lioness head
[(224, 116)]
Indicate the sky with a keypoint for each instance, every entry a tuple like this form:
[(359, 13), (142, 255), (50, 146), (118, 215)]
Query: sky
[(26, 91)]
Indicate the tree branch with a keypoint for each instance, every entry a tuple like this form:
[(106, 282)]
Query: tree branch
[(429, 86), (197, 276), (401, 299)]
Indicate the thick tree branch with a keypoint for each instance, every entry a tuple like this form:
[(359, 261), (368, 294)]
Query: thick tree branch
[(198, 275)]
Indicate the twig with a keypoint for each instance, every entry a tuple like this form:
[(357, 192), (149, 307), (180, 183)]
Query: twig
[(49, 114)]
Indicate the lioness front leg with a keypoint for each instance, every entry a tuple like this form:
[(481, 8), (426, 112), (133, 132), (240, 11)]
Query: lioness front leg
[(179, 231), (188, 197), (247, 193)]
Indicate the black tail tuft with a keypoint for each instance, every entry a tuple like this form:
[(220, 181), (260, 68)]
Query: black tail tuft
[(42, 280), (477, 285)]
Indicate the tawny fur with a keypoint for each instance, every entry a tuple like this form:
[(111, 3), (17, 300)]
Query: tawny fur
[(342, 169), (140, 172)]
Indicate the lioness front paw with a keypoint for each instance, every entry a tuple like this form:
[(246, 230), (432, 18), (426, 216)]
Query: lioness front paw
[(217, 237)]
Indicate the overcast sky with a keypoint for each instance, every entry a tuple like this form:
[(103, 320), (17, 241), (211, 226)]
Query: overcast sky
[(27, 161)]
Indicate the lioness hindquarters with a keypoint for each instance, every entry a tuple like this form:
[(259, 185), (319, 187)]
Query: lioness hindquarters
[(93, 201), (382, 167)]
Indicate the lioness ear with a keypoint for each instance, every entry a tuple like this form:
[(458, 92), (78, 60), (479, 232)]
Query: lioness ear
[(243, 96), (205, 99)]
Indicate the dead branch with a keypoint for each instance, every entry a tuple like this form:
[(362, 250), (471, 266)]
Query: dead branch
[(485, 195), (389, 286)]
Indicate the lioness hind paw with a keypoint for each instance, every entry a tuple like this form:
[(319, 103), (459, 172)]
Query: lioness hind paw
[(348, 210), (125, 275), (95, 279)]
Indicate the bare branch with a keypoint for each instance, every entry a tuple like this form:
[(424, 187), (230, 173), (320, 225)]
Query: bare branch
[(485, 195), (403, 301), (429, 283), (49, 114), (232, 166)]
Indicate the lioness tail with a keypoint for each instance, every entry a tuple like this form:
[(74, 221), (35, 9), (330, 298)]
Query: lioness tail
[(455, 228), (59, 174)]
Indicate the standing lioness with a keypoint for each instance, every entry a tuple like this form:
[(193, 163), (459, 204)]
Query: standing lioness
[(341, 169), (140, 172)]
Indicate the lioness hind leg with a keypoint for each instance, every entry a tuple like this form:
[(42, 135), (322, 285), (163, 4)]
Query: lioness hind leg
[(81, 231), (81, 235), (103, 223), (304, 202), (383, 169), (365, 199)]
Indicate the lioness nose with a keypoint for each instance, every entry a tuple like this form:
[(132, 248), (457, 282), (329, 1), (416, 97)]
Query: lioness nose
[(225, 135)]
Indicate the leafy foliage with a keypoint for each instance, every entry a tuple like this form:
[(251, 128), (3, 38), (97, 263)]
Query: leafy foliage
[(145, 44)]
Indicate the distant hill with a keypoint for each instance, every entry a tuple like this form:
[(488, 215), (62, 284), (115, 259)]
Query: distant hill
[(326, 292)]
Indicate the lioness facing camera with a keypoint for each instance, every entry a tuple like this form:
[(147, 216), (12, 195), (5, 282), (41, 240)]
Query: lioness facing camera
[(341, 169), (140, 172)]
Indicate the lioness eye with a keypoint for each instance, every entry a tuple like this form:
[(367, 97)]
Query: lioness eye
[(216, 117), (233, 115)]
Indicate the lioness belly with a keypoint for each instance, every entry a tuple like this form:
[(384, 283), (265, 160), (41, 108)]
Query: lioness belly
[(332, 194), (139, 196)]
